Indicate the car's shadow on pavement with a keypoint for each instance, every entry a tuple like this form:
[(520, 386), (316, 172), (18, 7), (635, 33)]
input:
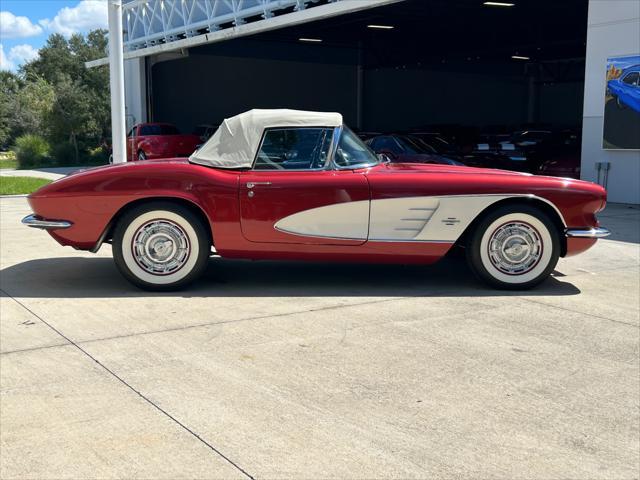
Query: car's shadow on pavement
[(98, 278)]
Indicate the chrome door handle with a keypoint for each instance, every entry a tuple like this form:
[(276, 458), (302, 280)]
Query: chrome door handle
[(253, 184)]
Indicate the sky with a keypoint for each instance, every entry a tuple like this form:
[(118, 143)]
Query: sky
[(26, 24)]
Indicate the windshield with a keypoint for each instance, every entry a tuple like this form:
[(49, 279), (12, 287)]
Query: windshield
[(352, 152)]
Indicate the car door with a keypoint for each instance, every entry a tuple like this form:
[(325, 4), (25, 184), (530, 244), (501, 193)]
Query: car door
[(292, 195)]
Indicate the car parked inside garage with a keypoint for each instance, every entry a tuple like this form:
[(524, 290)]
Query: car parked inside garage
[(159, 140)]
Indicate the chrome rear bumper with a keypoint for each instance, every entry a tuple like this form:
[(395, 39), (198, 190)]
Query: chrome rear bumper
[(598, 232), (35, 222)]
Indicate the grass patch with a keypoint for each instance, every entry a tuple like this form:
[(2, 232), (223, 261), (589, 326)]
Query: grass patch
[(21, 185), (8, 160)]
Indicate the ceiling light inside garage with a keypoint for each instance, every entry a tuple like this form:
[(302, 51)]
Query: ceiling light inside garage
[(498, 4), (520, 57), (314, 40), (381, 27)]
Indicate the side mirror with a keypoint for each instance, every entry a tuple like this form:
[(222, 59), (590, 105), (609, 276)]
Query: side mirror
[(389, 154)]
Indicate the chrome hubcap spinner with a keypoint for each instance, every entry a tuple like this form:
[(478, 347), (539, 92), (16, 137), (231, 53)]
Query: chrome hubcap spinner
[(515, 248), (160, 247)]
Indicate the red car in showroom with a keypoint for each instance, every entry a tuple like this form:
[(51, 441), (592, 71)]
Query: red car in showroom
[(148, 141), (286, 184)]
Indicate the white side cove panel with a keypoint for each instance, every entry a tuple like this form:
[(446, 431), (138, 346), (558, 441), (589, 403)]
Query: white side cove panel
[(413, 219), (454, 215), (348, 220), (401, 218), (426, 219)]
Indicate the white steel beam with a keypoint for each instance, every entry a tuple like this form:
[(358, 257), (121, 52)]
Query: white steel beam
[(116, 82)]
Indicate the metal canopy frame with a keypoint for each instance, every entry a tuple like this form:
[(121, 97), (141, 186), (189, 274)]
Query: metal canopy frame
[(157, 26), (150, 23)]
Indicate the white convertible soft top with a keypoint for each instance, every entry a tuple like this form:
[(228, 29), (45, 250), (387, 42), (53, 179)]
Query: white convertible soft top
[(236, 142)]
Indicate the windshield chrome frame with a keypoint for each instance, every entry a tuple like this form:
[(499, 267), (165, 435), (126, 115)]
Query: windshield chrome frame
[(337, 135)]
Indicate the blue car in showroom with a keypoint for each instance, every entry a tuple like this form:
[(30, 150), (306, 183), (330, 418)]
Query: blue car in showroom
[(626, 88)]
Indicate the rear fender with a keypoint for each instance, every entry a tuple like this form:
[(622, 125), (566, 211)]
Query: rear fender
[(191, 202)]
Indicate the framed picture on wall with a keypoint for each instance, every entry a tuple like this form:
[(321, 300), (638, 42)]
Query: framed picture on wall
[(622, 104)]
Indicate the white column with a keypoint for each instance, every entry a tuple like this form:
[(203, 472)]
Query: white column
[(116, 82)]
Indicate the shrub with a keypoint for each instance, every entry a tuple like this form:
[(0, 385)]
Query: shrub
[(97, 156), (32, 151), (64, 154), (8, 159)]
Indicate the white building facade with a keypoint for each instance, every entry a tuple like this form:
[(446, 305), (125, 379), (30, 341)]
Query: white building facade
[(613, 31)]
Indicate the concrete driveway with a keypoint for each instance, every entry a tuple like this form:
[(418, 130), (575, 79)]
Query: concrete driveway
[(53, 173), (286, 370)]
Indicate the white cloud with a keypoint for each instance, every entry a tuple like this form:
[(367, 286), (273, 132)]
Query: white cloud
[(17, 56), (5, 63), (87, 15), (12, 26), (22, 54)]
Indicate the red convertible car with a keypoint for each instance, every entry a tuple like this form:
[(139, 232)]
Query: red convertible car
[(148, 141), (286, 184)]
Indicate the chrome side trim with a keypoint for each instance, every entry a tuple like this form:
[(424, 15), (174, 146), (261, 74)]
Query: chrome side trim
[(391, 240), (327, 237), (35, 222), (514, 195), (598, 232)]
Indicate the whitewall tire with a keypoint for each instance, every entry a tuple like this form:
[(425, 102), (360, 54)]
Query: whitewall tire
[(514, 247), (160, 246)]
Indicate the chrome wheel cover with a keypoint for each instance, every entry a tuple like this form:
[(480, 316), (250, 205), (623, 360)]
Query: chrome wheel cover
[(515, 248), (160, 247)]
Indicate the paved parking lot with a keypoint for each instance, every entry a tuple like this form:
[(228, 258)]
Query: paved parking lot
[(287, 370)]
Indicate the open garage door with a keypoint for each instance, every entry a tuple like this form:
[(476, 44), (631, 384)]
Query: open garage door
[(218, 81)]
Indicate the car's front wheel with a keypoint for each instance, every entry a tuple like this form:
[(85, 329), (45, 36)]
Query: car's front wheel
[(160, 246), (514, 247)]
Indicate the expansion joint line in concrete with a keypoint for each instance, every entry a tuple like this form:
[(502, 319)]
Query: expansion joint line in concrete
[(133, 389)]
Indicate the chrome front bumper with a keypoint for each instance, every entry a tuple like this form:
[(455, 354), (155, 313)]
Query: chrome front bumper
[(598, 232), (35, 222)]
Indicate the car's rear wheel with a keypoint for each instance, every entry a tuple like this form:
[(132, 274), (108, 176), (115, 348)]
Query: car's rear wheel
[(514, 247), (160, 246)]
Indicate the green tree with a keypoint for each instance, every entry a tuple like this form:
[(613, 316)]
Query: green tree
[(72, 118), (24, 106), (34, 103), (10, 85), (80, 113)]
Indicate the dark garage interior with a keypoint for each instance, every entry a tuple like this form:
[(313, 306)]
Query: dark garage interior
[(444, 62), (476, 75)]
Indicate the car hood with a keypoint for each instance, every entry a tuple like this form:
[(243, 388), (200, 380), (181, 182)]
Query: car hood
[(483, 175), (442, 168)]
